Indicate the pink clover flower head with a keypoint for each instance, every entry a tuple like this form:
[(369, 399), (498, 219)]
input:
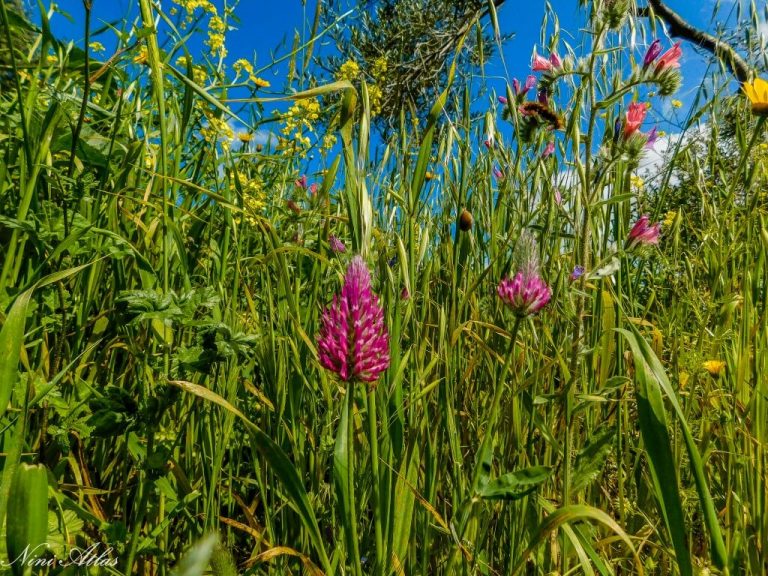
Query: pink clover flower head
[(549, 150), (643, 233), (634, 118), (353, 340), (313, 188), (525, 294), (652, 53), (670, 58), (336, 245)]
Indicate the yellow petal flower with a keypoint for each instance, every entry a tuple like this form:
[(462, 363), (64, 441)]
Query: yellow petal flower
[(714, 367), (757, 92)]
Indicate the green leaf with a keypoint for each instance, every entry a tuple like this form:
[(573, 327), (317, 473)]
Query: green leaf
[(591, 459), (515, 485), (663, 465), (27, 528), (195, 560)]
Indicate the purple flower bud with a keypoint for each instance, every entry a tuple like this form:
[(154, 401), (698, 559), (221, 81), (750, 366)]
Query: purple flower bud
[(549, 150), (577, 273), (503, 100), (653, 135), (652, 53), (336, 245), (498, 173)]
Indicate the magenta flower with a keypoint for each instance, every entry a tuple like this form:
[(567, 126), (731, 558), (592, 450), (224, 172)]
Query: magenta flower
[(652, 53), (634, 118), (301, 182), (404, 294), (488, 142), (554, 60), (540, 64), (525, 294), (313, 188), (670, 58), (353, 340), (530, 82), (549, 150), (498, 173), (503, 100), (336, 245), (643, 233)]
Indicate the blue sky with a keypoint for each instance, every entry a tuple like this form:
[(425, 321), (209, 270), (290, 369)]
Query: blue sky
[(268, 28)]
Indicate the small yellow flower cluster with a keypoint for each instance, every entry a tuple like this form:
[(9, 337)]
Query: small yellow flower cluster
[(350, 70), (253, 195), (96, 46), (150, 156), (669, 218), (677, 104), (300, 117), (636, 181), (215, 41), (199, 73), (217, 127), (379, 68), (242, 66), (329, 141), (191, 5)]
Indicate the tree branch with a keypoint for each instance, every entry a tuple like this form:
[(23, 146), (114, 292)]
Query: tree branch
[(679, 28)]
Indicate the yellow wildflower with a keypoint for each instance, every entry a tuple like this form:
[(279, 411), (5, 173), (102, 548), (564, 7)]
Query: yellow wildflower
[(429, 175), (379, 68), (244, 137), (329, 141), (216, 128), (350, 70), (677, 104), (757, 92), (215, 41), (260, 82), (636, 181), (683, 378), (374, 99), (669, 218), (96, 46), (714, 367), (141, 57)]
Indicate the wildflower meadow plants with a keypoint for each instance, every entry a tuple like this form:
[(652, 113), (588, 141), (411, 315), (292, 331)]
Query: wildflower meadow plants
[(255, 340)]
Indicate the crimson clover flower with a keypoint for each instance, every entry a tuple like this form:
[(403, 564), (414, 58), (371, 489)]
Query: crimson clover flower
[(643, 233), (652, 53), (634, 118), (353, 340), (526, 293), (670, 58)]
